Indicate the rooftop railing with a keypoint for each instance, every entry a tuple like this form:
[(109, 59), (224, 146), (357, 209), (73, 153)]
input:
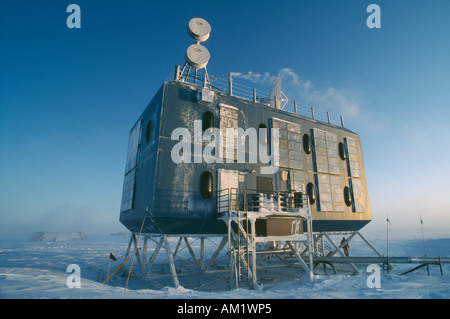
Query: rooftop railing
[(227, 84)]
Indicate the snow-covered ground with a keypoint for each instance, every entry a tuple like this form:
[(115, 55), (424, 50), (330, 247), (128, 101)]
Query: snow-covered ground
[(39, 270)]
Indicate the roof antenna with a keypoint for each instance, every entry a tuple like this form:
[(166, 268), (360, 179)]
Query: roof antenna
[(197, 56), (276, 96)]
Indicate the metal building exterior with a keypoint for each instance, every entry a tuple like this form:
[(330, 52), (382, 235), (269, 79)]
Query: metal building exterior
[(319, 159)]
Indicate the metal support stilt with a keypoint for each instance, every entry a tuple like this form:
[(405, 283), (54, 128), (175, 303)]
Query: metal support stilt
[(216, 254), (173, 271), (337, 249), (191, 252), (153, 257), (305, 267), (369, 244)]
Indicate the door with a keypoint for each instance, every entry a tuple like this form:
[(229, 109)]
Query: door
[(228, 186)]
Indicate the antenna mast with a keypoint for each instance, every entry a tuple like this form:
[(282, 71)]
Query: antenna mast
[(197, 56)]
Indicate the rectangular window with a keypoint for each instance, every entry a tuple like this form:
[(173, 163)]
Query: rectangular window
[(128, 191), (359, 197), (330, 193), (326, 152), (337, 193), (228, 119), (353, 160), (130, 168), (289, 143), (133, 145), (325, 202), (298, 182), (354, 172), (326, 159)]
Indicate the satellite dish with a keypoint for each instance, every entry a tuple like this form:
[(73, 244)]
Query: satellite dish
[(199, 29), (197, 56)]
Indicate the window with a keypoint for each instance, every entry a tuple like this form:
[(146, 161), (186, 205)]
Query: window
[(310, 190), (329, 193), (207, 121), (307, 144), (206, 184), (290, 155), (358, 195), (129, 184), (326, 152), (342, 154), (347, 196), (263, 138), (147, 131), (229, 118), (353, 158)]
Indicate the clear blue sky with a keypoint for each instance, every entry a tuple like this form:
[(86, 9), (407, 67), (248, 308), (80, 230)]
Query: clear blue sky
[(68, 97)]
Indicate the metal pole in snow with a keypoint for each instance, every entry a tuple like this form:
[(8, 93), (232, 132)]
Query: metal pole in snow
[(387, 241), (109, 263), (423, 237), (423, 241)]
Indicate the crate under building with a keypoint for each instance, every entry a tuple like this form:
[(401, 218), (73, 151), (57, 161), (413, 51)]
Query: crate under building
[(319, 161)]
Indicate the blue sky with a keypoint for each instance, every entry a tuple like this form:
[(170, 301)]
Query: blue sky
[(68, 97)]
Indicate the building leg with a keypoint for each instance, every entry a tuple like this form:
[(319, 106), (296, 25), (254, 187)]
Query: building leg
[(173, 271)]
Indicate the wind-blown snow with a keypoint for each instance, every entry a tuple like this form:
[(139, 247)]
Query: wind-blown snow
[(38, 270)]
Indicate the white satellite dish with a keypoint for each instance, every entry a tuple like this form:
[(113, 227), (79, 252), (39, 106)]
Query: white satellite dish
[(197, 56), (199, 29)]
